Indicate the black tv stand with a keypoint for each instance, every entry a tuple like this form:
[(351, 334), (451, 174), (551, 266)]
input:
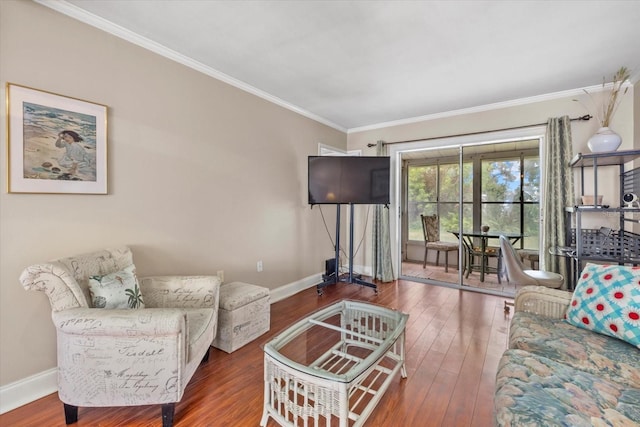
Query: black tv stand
[(336, 277)]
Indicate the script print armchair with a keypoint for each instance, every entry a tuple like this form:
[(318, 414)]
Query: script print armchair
[(125, 357)]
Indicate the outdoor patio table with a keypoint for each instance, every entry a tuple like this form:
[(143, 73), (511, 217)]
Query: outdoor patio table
[(484, 237)]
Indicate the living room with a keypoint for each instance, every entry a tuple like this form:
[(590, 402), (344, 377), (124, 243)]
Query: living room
[(202, 176)]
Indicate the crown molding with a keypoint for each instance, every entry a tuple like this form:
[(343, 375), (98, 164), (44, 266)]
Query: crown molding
[(82, 15), (489, 107)]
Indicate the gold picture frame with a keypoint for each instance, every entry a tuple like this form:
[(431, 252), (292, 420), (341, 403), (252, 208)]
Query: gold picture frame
[(56, 144)]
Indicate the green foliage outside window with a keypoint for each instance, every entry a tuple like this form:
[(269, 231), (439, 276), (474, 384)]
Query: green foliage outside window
[(423, 197), (506, 201)]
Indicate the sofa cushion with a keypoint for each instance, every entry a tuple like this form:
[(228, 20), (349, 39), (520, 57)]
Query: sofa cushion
[(613, 359), (116, 290), (532, 390), (607, 300)]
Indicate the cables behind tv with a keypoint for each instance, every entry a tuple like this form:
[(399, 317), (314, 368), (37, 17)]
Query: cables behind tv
[(366, 224), (333, 243)]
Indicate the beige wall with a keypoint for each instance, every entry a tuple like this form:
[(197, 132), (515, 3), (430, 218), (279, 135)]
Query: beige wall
[(202, 176), (499, 118), (517, 115), (636, 115)]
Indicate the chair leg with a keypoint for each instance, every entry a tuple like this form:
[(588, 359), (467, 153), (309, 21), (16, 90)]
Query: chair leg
[(70, 414), (446, 261), (205, 358), (437, 258), (457, 260), (465, 261), (506, 307), (471, 259), (424, 263), (168, 409)]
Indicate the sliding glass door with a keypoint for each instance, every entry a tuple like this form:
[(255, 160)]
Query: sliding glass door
[(494, 186)]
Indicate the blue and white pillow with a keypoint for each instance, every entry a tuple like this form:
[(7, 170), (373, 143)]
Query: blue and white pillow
[(607, 300)]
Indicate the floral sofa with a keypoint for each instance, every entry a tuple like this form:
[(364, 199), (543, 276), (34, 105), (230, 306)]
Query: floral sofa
[(123, 341), (574, 358)]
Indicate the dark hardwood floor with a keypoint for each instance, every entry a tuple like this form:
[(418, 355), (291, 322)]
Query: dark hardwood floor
[(454, 340)]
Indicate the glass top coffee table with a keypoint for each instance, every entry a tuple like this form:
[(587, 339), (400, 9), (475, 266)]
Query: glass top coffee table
[(333, 366)]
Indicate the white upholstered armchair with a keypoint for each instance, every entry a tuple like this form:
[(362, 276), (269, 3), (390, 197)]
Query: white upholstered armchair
[(116, 356)]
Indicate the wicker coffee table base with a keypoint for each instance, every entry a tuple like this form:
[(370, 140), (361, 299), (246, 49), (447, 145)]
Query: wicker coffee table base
[(347, 381)]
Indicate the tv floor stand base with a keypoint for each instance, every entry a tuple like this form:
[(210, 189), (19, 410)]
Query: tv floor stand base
[(344, 278), (336, 277)]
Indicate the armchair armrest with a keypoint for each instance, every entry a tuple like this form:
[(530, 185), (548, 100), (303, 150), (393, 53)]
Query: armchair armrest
[(181, 291), (122, 357), (57, 283), (542, 300), (154, 322)]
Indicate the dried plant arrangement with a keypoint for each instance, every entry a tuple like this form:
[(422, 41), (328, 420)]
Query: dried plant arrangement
[(605, 113)]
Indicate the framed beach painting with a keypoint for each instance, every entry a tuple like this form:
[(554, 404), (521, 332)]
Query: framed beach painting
[(56, 144)]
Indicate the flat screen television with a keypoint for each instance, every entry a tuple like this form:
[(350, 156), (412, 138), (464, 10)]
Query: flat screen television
[(344, 180)]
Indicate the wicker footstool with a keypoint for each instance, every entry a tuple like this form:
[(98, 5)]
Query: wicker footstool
[(243, 315)]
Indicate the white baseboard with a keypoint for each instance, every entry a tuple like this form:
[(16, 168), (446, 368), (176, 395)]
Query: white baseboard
[(365, 270), (27, 390), (39, 385), (286, 291)]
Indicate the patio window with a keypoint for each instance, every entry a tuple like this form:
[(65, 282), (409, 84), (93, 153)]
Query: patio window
[(500, 190)]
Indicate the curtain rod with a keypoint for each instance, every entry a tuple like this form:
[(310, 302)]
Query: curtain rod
[(585, 118)]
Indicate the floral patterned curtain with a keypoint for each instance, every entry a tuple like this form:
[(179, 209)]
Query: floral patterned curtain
[(558, 192), (382, 266)]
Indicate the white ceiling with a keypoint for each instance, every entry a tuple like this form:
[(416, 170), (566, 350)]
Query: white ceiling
[(361, 64)]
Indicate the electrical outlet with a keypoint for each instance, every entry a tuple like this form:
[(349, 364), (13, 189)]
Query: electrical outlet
[(221, 275), (259, 265)]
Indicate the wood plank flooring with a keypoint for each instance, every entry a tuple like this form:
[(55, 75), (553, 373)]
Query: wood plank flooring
[(412, 269), (454, 340)]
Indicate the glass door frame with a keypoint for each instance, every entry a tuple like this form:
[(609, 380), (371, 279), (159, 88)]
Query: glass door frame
[(396, 152)]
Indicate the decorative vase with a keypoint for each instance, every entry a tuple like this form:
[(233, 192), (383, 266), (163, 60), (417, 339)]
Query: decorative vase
[(604, 140)]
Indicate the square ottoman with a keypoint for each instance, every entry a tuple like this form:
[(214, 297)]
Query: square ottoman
[(243, 315)]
